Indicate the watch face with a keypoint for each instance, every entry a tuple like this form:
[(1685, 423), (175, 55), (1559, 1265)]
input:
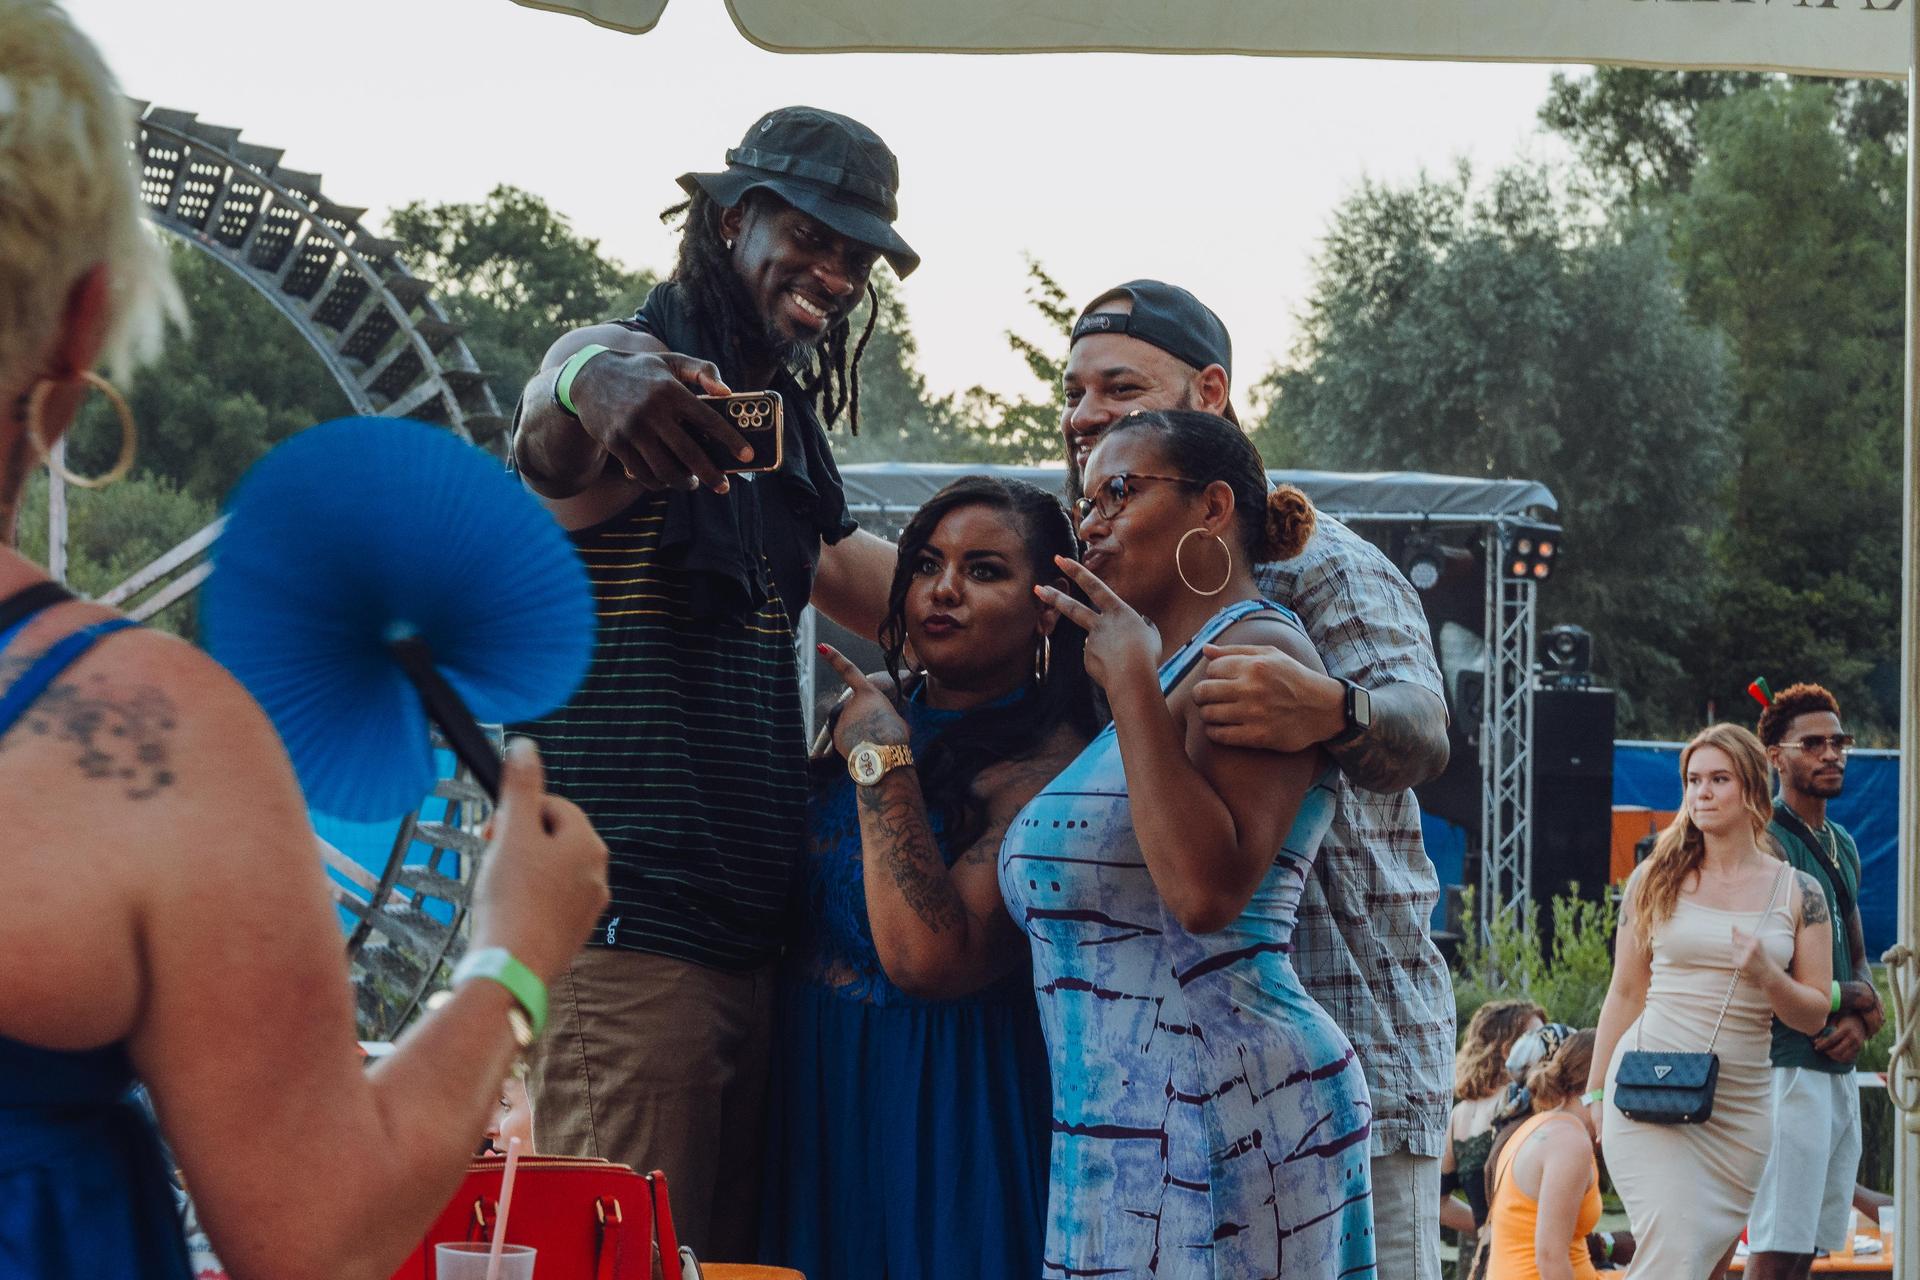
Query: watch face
[(865, 766), (1362, 708)]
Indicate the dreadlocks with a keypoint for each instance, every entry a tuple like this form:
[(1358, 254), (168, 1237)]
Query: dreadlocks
[(827, 377)]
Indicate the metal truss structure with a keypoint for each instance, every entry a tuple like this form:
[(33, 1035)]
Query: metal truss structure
[(374, 325), (392, 352), (1506, 739)]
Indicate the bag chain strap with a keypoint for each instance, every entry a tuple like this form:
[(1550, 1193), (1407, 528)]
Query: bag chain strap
[(1640, 1027), (1778, 880)]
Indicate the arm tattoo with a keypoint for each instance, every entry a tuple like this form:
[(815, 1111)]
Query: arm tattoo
[(1406, 746), (1813, 902), (899, 823), (117, 736)]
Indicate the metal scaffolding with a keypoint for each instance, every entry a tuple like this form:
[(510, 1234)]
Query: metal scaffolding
[(1506, 738)]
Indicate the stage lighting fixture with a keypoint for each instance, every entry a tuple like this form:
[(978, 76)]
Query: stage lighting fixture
[(1568, 662), (1530, 551), (1428, 562)]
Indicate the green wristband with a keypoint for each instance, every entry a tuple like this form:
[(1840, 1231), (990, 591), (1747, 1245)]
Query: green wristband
[(498, 964), (1835, 1007), (563, 385), (1592, 1096)]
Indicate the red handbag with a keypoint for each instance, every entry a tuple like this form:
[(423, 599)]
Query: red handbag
[(589, 1219)]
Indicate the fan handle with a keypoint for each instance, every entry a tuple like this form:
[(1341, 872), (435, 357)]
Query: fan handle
[(447, 709)]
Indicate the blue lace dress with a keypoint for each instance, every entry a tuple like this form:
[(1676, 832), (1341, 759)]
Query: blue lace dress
[(907, 1137), (1209, 1119)]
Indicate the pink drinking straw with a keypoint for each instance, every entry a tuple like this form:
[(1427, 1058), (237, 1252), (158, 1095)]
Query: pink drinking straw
[(506, 1202)]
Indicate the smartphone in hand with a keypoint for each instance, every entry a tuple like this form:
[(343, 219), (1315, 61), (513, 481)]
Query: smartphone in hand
[(756, 415)]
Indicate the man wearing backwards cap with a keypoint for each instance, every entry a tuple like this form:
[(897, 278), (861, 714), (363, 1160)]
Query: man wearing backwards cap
[(685, 743), (1362, 945)]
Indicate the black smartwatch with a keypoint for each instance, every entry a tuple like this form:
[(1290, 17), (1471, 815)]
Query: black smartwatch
[(1359, 713)]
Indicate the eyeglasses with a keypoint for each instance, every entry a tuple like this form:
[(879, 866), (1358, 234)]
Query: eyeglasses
[(1110, 498), (1815, 745)]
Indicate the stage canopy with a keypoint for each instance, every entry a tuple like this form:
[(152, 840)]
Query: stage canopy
[(1401, 495)]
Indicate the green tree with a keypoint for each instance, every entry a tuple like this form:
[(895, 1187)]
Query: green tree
[(516, 275), (1500, 335), (1638, 132), (1789, 240), (113, 532), (901, 422)]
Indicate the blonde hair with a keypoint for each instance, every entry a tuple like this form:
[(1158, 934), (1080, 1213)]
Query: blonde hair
[(1679, 850), (69, 195), (1480, 1067)]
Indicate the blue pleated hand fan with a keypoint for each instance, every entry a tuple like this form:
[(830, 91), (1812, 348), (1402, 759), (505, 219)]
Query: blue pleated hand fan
[(376, 572)]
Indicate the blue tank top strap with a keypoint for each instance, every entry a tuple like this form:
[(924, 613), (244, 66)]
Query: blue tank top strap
[(1175, 669), (62, 654)]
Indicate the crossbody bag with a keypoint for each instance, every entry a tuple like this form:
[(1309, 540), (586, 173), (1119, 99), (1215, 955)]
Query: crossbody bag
[(1664, 1086)]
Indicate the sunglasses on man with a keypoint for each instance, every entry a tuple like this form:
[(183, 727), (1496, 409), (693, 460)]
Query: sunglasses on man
[(1816, 745)]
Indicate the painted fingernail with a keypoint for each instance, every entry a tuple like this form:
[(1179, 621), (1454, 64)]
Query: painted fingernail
[(821, 648)]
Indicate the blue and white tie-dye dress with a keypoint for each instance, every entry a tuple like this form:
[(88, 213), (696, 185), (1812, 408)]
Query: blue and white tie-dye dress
[(1209, 1119)]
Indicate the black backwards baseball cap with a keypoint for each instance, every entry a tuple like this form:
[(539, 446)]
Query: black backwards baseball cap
[(1165, 316), (827, 166)]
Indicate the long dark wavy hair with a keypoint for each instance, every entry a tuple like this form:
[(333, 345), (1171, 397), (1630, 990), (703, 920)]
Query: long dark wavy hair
[(829, 375), (1021, 728)]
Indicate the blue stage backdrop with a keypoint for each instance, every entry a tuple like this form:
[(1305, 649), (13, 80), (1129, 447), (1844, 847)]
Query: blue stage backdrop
[(1648, 773)]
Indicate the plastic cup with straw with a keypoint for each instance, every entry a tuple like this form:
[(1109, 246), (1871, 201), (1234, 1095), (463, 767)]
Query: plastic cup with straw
[(498, 1260)]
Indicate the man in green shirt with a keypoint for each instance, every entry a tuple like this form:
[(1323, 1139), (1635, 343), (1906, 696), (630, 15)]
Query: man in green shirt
[(1806, 1193)]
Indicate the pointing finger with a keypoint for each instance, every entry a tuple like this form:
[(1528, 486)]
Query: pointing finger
[(1082, 616)]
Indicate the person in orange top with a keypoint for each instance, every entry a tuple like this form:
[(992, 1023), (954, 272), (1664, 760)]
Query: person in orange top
[(1546, 1184)]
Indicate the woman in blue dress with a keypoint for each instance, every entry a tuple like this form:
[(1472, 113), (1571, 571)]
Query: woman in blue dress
[(1209, 1119), (908, 1122), (165, 918)]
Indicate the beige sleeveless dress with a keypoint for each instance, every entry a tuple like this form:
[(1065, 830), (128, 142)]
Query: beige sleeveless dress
[(1688, 1188)]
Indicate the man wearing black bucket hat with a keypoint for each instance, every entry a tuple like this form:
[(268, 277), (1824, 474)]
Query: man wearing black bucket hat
[(1362, 945), (685, 742)]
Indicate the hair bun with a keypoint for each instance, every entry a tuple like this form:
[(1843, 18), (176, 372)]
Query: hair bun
[(1290, 522)]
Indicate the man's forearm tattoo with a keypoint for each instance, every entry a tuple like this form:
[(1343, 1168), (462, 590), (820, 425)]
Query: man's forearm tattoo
[(117, 736), (912, 857), (1406, 745)]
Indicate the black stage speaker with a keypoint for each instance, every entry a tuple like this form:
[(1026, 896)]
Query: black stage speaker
[(1572, 793)]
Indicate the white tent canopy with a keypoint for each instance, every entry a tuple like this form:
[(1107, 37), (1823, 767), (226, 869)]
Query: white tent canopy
[(1815, 37)]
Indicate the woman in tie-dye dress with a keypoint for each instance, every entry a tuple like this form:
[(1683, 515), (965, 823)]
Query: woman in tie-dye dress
[(1209, 1119)]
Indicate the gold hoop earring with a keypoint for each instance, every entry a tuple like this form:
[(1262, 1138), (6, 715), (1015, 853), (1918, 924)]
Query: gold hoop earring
[(1181, 570), (129, 431), (1043, 660)]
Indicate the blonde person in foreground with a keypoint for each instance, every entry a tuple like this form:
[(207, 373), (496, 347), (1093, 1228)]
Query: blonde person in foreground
[(165, 917), (1713, 909)]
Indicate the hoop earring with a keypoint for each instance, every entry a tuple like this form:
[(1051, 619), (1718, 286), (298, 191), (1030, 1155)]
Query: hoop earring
[(1043, 660), (129, 431), (1179, 569)]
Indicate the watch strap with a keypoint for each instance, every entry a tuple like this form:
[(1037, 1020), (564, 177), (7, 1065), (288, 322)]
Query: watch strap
[(500, 965), (1353, 730)]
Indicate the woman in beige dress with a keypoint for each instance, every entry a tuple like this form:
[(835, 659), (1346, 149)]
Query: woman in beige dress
[(1713, 908)]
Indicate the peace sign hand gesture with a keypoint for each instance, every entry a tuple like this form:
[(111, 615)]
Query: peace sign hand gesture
[(1119, 640), (867, 714)]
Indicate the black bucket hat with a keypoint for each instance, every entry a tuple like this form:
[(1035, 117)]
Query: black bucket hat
[(828, 166)]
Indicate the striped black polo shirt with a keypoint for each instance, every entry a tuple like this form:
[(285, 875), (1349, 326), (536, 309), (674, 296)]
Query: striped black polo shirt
[(685, 744)]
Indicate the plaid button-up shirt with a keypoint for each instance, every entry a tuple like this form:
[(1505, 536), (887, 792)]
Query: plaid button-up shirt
[(1362, 945)]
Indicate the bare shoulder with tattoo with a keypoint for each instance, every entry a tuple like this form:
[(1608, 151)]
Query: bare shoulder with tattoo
[(115, 732), (1813, 901)]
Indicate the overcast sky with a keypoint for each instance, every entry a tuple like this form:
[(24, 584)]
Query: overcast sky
[(1217, 173)]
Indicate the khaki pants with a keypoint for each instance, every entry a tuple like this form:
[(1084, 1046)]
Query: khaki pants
[(661, 1064), (1406, 1216)]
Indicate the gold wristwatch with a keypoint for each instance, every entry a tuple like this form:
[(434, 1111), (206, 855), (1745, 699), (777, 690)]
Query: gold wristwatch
[(869, 762)]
